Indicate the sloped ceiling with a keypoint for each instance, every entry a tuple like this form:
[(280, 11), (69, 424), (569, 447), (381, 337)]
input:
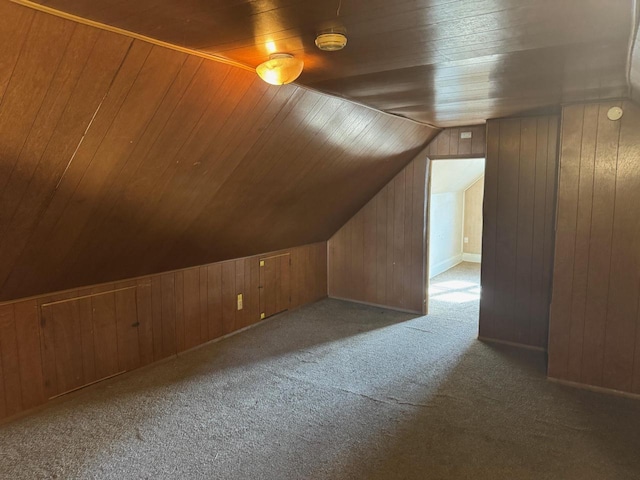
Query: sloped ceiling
[(455, 175), (119, 158), (442, 62)]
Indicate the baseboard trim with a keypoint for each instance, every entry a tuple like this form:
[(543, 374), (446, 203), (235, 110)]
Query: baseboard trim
[(593, 388), (512, 344), (472, 257), (386, 307), (445, 265)]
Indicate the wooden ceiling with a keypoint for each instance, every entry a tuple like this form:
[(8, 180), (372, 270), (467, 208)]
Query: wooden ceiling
[(119, 158), (442, 62)]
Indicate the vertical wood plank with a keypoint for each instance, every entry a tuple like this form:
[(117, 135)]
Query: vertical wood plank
[(191, 308), (255, 290), (127, 329), (488, 274), (144, 306), (157, 310), (418, 233), (524, 244), (407, 260), (370, 261), (82, 309), (30, 358), (240, 314), (179, 316), (214, 297), (578, 301), (168, 303), (357, 257), (622, 306), (203, 279), (105, 334), (381, 244), (10, 362), (538, 297), (228, 297), (600, 251), (507, 221)]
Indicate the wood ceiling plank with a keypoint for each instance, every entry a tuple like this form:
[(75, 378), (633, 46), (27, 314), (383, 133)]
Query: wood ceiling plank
[(389, 40), (145, 159)]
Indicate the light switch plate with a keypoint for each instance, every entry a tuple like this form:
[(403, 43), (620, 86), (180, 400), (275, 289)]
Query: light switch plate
[(466, 239), (465, 135), (261, 263)]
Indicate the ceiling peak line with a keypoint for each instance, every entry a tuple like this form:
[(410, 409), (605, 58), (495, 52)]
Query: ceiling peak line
[(189, 51), (129, 33), (355, 102)]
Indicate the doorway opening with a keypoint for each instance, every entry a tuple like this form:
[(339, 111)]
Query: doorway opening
[(455, 192)]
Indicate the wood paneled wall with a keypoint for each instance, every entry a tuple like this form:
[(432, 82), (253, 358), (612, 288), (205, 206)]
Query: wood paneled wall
[(121, 159), (595, 314), (54, 343), (378, 257), (448, 144), (518, 229)]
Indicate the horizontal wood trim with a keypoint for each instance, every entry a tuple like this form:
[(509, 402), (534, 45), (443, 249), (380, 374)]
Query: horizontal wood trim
[(128, 33), (512, 344), (92, 295), (595, 389)]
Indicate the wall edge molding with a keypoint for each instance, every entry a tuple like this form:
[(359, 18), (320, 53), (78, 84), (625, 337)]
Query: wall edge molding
[(595, 389), (377, 305)]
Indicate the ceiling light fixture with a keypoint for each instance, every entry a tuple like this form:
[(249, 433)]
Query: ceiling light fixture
[(331, 42), (280, 69)]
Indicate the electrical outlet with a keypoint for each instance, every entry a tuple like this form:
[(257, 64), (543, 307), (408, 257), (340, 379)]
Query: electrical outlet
[(466, 239), (239, 301)]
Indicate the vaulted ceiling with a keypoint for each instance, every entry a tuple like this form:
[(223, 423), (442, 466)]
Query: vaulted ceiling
[(442, 62), (119, 158)]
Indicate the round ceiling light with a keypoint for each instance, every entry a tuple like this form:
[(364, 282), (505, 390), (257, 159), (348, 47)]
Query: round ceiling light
[(280, 69), (331, 42)]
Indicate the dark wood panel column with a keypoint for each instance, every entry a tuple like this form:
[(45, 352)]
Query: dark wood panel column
[(517, 244)]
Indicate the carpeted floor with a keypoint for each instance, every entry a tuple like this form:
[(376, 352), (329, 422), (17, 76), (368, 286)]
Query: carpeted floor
[(337, 391)]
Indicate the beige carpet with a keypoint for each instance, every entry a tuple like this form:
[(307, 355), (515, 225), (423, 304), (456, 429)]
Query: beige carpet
[(337, 391)]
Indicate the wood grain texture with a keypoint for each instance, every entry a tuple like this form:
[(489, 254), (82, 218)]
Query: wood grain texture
[(123, 159), (443, 62), (518, 231), (448, 144), (55, 343), (378, 256), (596, 289)]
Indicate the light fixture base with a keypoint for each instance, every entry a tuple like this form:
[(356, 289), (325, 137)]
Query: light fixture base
[(331, 41)]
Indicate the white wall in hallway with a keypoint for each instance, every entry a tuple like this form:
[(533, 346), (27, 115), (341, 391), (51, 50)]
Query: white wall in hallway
[(446, 219)]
